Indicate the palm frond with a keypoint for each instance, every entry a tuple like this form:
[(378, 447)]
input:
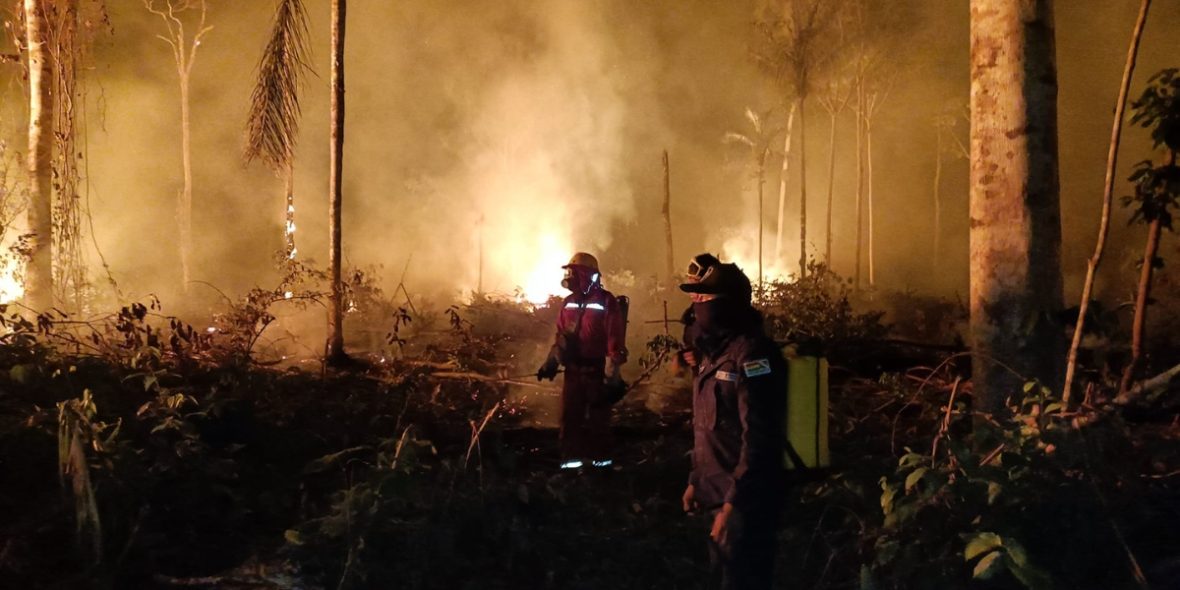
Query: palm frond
[(273, 125), (731, 137)]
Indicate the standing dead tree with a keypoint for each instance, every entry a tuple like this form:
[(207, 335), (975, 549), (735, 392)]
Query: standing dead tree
[(272, 128), (1107, 199), (667, 213), (184, 54)]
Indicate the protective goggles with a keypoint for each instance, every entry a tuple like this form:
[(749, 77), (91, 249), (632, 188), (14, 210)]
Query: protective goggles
[(699, 267)]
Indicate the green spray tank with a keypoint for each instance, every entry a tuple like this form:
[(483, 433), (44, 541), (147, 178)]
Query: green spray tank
[(807, 411)]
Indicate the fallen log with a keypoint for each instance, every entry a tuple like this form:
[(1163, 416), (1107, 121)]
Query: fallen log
[(1149, 386)]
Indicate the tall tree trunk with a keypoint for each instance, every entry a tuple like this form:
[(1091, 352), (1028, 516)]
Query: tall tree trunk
[(784, 176), (860, 177), (802, 187), (1107, 198), (1015, 211), (335, 176), (761, 185), (39, 270), (667, 212), (869, 180), (831, 189), (184, 205), (1141, 301), (479, 277), (937, 237)]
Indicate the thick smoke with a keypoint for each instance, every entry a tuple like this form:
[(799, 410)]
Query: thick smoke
[(539, 125)]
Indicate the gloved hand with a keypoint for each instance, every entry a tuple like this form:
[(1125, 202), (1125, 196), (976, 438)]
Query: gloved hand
[(548, 370)]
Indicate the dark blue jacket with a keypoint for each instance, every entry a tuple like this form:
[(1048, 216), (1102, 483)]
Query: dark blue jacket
[(739, 412)]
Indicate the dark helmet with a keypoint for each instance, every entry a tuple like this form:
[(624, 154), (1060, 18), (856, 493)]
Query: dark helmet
[(723, 280)]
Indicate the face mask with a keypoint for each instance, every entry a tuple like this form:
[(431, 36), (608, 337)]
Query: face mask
[(576, 280), (716, 315)]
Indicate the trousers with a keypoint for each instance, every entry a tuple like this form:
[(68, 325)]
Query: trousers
[(585, 428), (745, 558)]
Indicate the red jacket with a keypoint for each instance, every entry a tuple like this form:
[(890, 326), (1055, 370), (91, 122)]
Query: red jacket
[(599, 333)]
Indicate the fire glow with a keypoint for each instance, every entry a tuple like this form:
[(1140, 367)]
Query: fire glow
[(11, 289)]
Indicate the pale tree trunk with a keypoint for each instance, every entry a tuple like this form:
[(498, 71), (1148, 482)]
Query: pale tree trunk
[(335, 176), (1141, 301), (761, 185), (784, 176), (937, 238), (667, 212), (1107, 198), (39, 269), (802, 188), (184, 54), (1015, 234), (831, 188), (184, 206), (860, 176), (869, 181)]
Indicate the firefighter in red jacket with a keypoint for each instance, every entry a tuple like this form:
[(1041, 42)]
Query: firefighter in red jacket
[(590, 334)]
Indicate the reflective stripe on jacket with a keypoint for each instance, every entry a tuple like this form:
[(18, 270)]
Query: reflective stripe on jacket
[(600, 333)]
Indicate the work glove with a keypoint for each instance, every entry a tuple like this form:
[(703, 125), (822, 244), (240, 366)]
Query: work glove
[(548, 370)]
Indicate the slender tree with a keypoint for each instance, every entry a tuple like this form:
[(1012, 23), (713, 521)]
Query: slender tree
[(39, 269), (947, 141), (1015, 234), (184, 55), (794, 52), (873, 98), (336, 352), (833, 102), (758, 142), (272, 129), (1107, 199), (667, 213), (1157, 195), (785, 176)]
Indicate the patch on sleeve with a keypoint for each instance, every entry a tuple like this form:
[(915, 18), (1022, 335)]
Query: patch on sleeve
[(727, 376), (756, 368)]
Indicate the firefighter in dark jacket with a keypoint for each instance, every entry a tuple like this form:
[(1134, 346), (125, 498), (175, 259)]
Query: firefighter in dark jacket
[(739, 397), (697, 267), (589, 343)]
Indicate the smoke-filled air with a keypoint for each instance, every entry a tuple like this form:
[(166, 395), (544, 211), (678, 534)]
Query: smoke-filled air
[(589, 294)]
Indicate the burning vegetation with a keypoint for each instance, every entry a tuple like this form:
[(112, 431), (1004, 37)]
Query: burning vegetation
[(212, 376)]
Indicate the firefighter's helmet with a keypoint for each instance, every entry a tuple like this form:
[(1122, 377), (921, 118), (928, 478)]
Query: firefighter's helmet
[(583, 259)]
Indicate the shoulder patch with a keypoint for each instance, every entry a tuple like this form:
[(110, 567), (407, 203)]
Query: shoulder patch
[(727, 376), (756, 368)]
